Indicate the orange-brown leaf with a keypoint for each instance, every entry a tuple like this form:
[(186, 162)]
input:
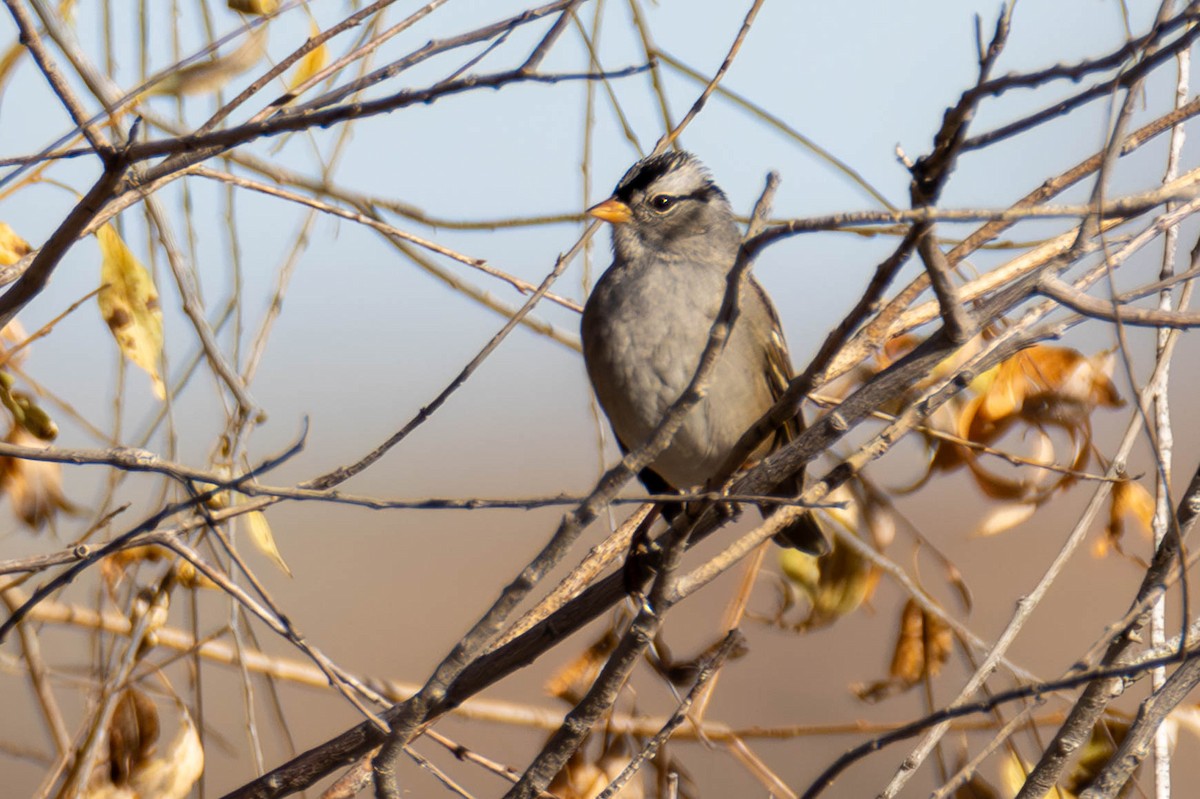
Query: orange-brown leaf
[(1129, 499)]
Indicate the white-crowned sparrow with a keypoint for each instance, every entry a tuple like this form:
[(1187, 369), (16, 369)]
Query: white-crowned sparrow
[(647, 321)]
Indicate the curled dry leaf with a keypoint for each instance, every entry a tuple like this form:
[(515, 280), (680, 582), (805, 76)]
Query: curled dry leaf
[(114, 568), (129, 304), (209, 76), (132, 735), (170, 776), (1129, 499), (1039, 389), (923, 645), (835, 584), (33, 487)]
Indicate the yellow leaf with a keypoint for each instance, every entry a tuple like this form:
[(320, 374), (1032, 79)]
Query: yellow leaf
[(836, 584), (255, 6), (12, 247), (129, 304), (260, 534), (312, 62), (1013, 773)]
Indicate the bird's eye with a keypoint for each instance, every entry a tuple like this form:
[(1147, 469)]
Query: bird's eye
[(661, 202)]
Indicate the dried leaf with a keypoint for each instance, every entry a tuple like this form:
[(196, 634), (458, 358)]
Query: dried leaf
[(114, 567), (260, 533), (1038, 387), (584, 778), (12, 247), (1095, 754), (1012, 777), (132, 734), (255, 6), (800, 568), (1004, 518), (923, 644), (168, 777), (959, 584), (8, 62), (33, 487), (1129, 498), (573, 680), (1049, 384), (1102, 744), (312, 62), (210, 76), (26, 413), (976, 788), (129, 305), (188, 577), (844, 581)]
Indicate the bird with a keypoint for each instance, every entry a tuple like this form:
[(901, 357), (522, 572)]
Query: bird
[(647, 321)]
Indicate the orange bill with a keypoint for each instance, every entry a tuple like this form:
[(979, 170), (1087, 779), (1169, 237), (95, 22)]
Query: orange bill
[(611, 210)]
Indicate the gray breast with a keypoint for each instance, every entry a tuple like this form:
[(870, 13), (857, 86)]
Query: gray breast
[(641, 353)]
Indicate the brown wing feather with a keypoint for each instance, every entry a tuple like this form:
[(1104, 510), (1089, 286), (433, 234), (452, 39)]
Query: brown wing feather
[(805, 533)]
